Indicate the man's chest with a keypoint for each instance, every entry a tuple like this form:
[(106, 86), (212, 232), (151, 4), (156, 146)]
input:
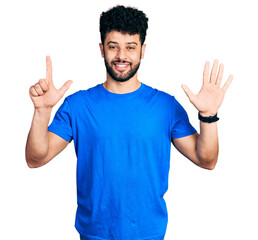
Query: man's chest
[(122, 121)]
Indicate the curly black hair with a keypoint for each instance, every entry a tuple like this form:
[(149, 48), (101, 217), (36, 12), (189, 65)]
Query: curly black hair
[(125, 20)]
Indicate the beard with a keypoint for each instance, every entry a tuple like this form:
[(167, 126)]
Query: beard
[(122, 77)]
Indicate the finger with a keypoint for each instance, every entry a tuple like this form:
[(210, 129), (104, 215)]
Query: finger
[(49, 69), (206, 72), (43, 85), (214, 71), (65, 87), (33, 92), (188, 92), (38, 89), (227, 84), (220, 74)]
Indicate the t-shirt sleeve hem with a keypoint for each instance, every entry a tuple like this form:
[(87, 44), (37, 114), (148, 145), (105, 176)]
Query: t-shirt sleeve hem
[(184, 134), (59, 133)]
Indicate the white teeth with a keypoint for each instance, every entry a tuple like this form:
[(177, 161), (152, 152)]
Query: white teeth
[(121, 65)]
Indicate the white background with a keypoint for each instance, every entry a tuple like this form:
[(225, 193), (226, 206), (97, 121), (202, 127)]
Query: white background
[(220, 204)]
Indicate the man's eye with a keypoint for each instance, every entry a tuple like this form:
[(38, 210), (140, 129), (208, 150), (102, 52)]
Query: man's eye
[(112, 47), (130, 48)]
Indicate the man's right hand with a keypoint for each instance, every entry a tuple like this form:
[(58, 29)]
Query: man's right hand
[(42, 145), (44, 94)]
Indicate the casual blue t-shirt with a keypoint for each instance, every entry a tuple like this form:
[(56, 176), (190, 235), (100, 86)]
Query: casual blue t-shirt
[(122, 143)]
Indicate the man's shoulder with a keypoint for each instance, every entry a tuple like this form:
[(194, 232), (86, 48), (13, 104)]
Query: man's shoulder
[(161, 94), (82, 93)]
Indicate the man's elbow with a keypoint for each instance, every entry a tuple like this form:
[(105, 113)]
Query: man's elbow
[(34, 163), (208, 163), (210, 166), (207, 160), (31, 163)]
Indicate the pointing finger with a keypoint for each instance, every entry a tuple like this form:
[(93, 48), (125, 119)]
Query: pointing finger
[(49, 69)]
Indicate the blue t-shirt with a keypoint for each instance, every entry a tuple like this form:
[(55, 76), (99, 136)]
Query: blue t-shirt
[(122, 143)]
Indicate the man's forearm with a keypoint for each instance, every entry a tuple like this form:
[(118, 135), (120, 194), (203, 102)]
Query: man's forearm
[(37, 142), (207, 144)]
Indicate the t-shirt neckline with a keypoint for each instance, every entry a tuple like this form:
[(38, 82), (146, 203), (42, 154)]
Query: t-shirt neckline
[(120, 95)]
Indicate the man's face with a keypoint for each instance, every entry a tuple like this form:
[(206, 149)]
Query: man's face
[(122, 54)]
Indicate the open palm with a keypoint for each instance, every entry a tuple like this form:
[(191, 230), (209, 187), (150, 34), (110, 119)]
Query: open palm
[(211, 95)]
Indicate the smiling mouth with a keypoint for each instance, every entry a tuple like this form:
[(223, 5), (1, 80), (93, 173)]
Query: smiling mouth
[(121, 66)]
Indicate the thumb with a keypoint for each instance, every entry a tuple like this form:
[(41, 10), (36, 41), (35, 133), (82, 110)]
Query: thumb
[(65, 87), (188, 92)]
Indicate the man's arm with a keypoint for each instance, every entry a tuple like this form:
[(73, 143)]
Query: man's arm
[(202, 149), (42, 145)]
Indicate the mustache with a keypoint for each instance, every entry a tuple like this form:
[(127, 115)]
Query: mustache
[(121, 61)]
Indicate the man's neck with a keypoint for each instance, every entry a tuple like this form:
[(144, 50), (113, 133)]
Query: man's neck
[(128, 86)]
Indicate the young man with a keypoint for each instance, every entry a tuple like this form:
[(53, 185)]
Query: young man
[(122, 131)]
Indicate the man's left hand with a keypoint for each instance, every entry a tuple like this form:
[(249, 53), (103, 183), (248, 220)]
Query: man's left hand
[(211, 95)]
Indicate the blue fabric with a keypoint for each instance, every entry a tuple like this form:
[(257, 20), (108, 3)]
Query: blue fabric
[(81, 238), (122, 143)]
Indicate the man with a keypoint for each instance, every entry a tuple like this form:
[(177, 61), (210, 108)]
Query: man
[(122, 131)]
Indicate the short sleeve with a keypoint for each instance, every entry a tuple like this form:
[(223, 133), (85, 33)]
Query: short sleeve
[(61, 124), (180, 125)]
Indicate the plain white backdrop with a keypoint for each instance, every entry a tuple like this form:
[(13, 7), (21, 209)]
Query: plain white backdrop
[(220, 204)]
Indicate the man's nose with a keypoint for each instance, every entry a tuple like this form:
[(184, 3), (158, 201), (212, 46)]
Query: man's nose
[(121, 54)]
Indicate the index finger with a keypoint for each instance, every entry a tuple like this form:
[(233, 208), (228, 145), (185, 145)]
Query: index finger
[(49, 69)]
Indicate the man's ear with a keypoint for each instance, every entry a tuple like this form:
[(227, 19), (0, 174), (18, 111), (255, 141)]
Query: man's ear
[(101, 49), (143, 50)]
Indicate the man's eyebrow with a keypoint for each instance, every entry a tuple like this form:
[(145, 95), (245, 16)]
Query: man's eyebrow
[(127, 42), (132, 43), (112, 42)]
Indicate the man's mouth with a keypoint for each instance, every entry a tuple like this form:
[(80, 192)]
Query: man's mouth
[(121, 66)]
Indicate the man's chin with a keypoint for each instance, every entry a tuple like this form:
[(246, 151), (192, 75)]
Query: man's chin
[(121, 79), (121, 76)]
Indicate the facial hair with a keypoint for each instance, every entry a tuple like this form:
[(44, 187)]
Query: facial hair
[(128, 76)]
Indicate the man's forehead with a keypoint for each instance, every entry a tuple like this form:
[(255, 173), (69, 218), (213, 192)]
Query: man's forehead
[(122, 38)]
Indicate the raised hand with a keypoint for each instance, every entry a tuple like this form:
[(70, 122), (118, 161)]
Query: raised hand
[(44, 94), (211, 95)]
